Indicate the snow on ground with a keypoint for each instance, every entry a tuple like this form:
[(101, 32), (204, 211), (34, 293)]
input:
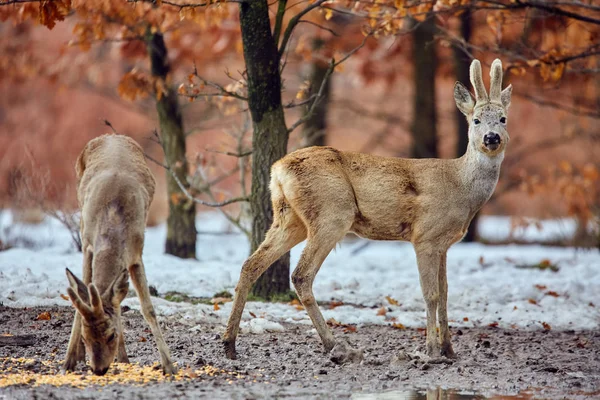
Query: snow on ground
[(486, 284)]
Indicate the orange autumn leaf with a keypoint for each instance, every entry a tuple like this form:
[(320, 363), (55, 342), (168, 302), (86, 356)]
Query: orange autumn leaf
[(392, 301), (466, 319), (493, 325), (64, 297), (532, 301), (45, 316), (216, 307), (335, 304), (382, 311), (398, 325), (142, 339), (552, 293), (540, 287), (546, 326)]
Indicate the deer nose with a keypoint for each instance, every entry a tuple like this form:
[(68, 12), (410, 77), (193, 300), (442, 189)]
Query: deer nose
[(491, 140), (100, 372)]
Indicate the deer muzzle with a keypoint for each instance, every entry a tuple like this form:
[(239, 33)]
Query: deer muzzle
[(492, 141)]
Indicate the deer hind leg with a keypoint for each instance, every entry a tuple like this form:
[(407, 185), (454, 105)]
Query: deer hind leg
[(445, 337), (121, 352), (75, 349), (138, 278), (428, 260), (286, 231), (316, 250)]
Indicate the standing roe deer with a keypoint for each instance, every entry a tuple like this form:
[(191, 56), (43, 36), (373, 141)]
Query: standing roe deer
[(320, 194), (114, 191)]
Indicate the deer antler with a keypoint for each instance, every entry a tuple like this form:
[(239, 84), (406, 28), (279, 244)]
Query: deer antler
[(477, 82), (95, 300)]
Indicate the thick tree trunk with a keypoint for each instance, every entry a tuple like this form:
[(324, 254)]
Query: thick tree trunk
[(181, 227), (270, 137), (424, 129), (315, 128), (461, 65)]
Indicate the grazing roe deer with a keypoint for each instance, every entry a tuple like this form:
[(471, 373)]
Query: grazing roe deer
[(320, 194), (114, 191)]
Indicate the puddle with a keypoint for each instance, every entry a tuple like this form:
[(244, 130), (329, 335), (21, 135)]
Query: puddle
[(434, 394)]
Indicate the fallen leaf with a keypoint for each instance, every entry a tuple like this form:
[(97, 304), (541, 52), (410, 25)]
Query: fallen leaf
[(392, 301), (465, 319), (514, 326), (65, 297), (335, 304), (7, 334), (493, 325), (591, 304), (142, 339), (45, 316), (541, 287), (382, 311), (552, 293), (349, 329), (546, 326), (252, 314), (533, 301), (398, 326), (514, 308), (216, 307)]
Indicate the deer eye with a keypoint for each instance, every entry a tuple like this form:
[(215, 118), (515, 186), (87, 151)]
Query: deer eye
[(111, 338), (476, 121), (503, 120)]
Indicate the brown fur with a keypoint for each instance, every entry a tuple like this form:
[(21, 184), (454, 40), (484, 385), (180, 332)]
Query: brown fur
[(114, 191), (320, 194)]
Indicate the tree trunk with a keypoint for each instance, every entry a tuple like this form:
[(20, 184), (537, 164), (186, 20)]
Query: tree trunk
[(315, 128), (270, 137), (181, 226), (424, 129), (461, 65)]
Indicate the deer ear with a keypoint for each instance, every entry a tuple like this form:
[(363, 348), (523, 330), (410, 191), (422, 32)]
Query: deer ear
[(78, 286), (463, 98), (117, 290), (505, 96)]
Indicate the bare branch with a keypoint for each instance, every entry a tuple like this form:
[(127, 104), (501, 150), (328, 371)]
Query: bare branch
[(328, 73), (293, 22), (334, 33), (279, 20)]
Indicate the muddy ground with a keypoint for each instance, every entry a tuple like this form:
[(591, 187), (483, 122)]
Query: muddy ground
[(547, 364)]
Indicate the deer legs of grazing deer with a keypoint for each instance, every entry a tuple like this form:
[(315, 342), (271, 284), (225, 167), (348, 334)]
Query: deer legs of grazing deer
[(76, 350), (138, 278)]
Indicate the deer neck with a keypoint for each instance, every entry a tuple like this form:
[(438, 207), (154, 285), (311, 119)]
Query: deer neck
[(479, 175)]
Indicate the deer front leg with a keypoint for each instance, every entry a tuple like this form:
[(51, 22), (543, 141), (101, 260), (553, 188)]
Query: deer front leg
[(445, 336), (428, 261), (121, 352), (138, 278), (75, 349)]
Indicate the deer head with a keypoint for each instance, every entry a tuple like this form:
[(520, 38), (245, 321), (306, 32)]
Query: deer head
[(487, 116), (99, 324)]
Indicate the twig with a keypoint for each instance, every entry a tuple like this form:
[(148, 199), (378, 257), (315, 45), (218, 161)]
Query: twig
[(328, 73), (293, 22)]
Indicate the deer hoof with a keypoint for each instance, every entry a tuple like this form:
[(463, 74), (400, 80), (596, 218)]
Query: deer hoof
[(342, 353), (169, 369), (229, 346)]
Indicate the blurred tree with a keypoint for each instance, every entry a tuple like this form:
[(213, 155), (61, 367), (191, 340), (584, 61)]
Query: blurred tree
[(314, 130), (424, 125), (181, 222)]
